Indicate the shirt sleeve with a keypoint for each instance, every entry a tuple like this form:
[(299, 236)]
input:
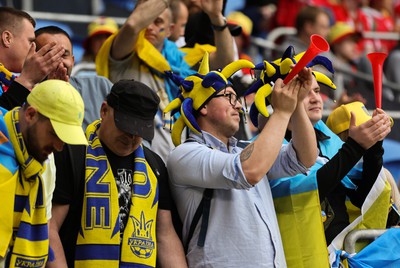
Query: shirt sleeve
[(49, 181), (195, 164), (330, 174), (15, 96), (286, 164), (372, 165)]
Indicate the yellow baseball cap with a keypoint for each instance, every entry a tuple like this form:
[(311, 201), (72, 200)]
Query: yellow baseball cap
[(63, 105), (339, 120), (340, 31)]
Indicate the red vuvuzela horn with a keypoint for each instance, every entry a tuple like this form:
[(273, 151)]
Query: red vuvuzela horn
[(317, 45), (377, 59)]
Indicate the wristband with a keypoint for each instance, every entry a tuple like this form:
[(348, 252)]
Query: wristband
[(220, 28)]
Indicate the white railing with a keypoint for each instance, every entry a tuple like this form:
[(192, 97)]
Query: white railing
[(65, 17)]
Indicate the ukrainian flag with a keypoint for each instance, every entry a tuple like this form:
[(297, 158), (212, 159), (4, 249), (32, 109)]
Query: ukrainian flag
[(299, 216), (373, 215)]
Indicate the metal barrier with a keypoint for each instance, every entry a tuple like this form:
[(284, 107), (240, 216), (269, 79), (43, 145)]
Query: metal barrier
[(356, 235), (64, 17), (278, 32)]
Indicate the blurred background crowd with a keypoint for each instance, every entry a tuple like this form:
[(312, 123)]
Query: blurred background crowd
[(263, 29)]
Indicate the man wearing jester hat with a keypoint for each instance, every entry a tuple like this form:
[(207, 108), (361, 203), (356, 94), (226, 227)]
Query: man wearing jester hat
[(225, 185)]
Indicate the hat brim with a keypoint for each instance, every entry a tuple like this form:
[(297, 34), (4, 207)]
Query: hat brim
[(70, 134), (134, 125)]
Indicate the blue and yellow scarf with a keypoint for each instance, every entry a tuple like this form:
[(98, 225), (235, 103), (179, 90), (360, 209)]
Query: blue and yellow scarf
[(24, 204), (98, 243), (6, 78)]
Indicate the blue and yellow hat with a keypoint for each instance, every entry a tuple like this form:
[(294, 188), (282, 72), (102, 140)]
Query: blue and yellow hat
[(280, 68), (196, 91)]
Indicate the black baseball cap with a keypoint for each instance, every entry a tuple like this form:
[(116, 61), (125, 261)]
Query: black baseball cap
[(135, 106)]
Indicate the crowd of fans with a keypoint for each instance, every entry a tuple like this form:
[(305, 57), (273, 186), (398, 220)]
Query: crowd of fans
[(180, 145), (342, 23)]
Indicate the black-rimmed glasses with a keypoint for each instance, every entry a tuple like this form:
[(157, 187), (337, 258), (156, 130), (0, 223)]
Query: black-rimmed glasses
[(232, 97)]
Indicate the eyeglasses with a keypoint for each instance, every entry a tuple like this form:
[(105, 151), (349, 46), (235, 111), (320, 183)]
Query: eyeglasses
[(232, 97)]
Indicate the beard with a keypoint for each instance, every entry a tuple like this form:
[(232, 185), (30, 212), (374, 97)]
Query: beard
[(33, 147)]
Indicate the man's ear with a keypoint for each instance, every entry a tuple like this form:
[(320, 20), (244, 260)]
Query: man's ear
[(31, 115), (6, 38), (104, 109), (203, 111)]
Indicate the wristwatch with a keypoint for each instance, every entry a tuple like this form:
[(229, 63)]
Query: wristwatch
[(220, 28)]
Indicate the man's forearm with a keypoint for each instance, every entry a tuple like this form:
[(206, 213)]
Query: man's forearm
[(170, 251), (303, 137), (141, 17), (59, 256), (224, 53)]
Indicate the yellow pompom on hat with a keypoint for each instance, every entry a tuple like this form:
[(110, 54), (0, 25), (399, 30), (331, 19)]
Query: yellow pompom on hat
[(339, 120)]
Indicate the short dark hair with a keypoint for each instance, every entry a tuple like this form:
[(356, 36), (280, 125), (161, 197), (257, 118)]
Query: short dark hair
[(12, 18), (25, 106), (308, 14), (52, 30)]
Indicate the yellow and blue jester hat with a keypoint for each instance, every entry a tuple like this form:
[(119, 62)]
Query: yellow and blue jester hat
[(280, 68), (196, 90)]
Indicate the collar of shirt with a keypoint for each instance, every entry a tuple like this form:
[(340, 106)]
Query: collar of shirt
[(213, 142)]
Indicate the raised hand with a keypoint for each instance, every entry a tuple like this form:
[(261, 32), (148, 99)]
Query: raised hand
[(284, 97), (368, 133), (39, 64), (306, 77), (60, 73), (212, 7)]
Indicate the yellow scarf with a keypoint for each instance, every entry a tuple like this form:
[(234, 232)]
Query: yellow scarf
[(196, 53), (98, 243), (31, 245), (150, 55), (144, 49)]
